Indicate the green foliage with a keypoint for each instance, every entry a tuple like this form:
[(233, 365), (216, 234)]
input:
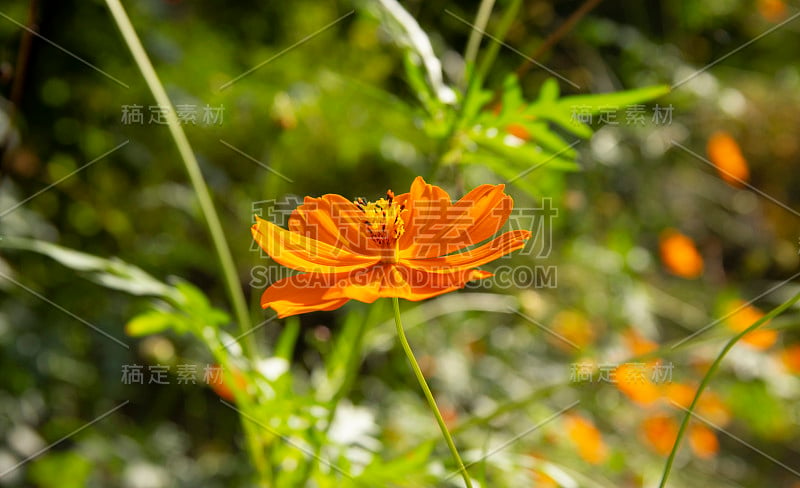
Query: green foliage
[(110, 273), (61, 469)]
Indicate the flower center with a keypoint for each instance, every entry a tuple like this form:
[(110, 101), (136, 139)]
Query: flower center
[(382, 220)]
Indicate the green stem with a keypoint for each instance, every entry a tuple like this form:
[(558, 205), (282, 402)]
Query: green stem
[(253, 437), (474, 42), (428, 395), (192, 168), (707, 379), (490, 54)]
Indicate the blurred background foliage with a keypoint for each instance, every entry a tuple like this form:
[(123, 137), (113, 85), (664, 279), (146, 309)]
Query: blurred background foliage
[(651, 243)]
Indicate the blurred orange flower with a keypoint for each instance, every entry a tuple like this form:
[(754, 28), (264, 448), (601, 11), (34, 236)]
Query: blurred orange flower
[(633, 379), (679, 254), (586, 438), (739, 315), (660, 432), (724, 152), (703, 441), (540, 477), (772, 10), (637, 343), (221, 385), (411, 246), (519, 131), (680, 393), (790, 357), (574, 327), (710, 406)]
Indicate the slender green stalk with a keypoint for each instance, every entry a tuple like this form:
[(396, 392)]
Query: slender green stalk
[(428, 395), (253, 440), (474, 42), (192, 168), (707, 379), (254, 444), (490, 54)]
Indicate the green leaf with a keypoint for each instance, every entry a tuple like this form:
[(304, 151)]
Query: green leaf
[(523, 156), (416, 80), (512, 96), (561, 115), (549, 140), (475, 101), (61, 470), (766, 415), (111, 273), (549, 91), (408, 470), (597, 102), (194, 303), (155, 321), (288, 338)]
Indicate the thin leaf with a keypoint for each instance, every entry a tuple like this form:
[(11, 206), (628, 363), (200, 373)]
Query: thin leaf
[(155, 321), (111, 273)]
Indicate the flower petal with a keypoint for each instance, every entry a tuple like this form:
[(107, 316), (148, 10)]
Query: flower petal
[(488, 208), (392, 280), (435, 227), (300, 294), (500, 246), (426, 207), (332, 219), (305, 254)]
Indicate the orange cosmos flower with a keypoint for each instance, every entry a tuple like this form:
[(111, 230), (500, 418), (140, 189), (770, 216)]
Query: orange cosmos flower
[(724, 152), (633, 380), (740, 315), (585, 436), (411, 246), (710, 406), (574, 327), (791, 358), (679, 254), (772, 10), (703, 441), (660, 432), (638, 344), (222, 385)]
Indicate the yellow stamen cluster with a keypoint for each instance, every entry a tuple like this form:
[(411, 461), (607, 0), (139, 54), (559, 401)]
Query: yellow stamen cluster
[(382, 219)]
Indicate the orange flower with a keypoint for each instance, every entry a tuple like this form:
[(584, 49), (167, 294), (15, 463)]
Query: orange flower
[(519, 131), (680, 393), (540, 478), (585, 436), (574, 327), (709, 406), (633, 380), (411, 246), (679, 254), (724, 152), (221, 385), (660, 432), (703, 441), (772, 10), (739, 315), (637, 343), (791, 358)]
